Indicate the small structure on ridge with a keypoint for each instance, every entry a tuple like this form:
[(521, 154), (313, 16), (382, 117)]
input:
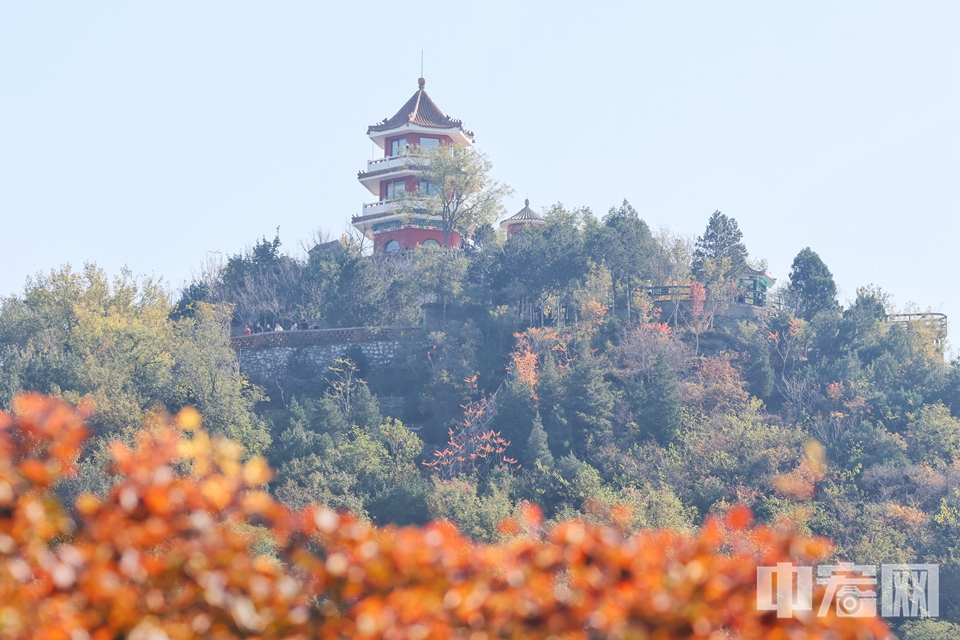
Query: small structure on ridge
[(526, 217)]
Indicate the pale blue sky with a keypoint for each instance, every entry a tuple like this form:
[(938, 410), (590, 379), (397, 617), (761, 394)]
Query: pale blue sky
[(150, 134)]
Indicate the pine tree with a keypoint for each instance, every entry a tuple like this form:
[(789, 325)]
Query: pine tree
[(661, 410), (537, 449), (811, 288), (721, 239), (590, 403), (559, 435), (516, 412), (760, 374)]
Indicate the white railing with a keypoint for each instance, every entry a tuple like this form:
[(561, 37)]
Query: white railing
[(373, 208), (390, 162)]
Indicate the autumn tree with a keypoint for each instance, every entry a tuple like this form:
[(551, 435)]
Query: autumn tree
[(187, 544), (455, 187)]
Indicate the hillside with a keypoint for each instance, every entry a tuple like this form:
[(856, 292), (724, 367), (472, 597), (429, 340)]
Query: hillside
[(579, 365)]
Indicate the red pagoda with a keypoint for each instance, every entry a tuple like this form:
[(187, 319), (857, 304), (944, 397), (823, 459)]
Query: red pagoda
[(419, 124)]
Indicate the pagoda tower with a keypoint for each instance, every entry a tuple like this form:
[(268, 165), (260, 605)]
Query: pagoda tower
[(419, 124), (526, 217)]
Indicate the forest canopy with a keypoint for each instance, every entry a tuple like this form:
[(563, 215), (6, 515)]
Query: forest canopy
[(551, 370)]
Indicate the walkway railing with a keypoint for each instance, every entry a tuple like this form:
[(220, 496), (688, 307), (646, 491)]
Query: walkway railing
[(936, 320), (310, 337)]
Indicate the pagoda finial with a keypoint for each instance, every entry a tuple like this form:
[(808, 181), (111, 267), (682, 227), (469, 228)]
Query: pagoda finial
[(421, 82), (526, 202)]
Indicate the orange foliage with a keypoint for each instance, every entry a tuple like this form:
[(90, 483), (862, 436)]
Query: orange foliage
[(473, 448), (592, 314), (166, 555), (524, 363), (533, 346), (800, 484)]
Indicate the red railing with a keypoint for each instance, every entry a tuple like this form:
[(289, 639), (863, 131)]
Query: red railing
[(322, 336)]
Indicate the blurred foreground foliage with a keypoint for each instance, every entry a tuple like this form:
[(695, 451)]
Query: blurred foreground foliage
[(187, 544)]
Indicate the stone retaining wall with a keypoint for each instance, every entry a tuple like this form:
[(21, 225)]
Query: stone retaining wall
[(307, 354)]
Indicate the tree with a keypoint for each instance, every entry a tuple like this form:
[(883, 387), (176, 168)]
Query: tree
[(929, 630), (934, 437), (79, 334), (721, 240), (760, 375), (589, 405), (661, 407), (625, 244), (811, 289), (456, 187), (538, 452)]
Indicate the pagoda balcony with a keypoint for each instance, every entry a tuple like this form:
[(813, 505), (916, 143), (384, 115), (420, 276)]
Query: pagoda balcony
[(390, 162), (384, 168), (386, 209), (379, 208)]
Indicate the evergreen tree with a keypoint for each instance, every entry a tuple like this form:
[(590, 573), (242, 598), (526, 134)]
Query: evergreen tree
[(661, 414), (516, 412), (722, 240), (625, 245), (559, 434), (760, 374), (537, 448), (590, 403), (811, 289), (360, 297)]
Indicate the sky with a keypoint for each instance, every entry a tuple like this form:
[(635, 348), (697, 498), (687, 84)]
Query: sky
[(158, 136)]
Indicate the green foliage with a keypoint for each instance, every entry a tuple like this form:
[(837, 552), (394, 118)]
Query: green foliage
[(475, 511), (515, 419), (721, 246), (760, 375), (929, 630), (462, 193), (537, 451), (933, 438), (811, 289), (589, 405), (661, 412), (613, 404), (81, 335)]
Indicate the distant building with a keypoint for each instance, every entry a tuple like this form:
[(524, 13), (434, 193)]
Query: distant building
[(418, 124), (753, 288), (526, 217)]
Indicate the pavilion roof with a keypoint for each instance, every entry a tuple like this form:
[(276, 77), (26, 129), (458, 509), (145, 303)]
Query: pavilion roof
[(422, 111), (524, 215)]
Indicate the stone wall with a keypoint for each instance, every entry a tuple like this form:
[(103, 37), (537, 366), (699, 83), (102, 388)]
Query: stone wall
[(270, 363)]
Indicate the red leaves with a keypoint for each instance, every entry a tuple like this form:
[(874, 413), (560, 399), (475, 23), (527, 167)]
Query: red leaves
[(170, 554)]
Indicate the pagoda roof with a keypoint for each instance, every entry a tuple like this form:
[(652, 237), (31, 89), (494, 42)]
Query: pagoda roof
[(524, 215), (422, 111), (760, 275)]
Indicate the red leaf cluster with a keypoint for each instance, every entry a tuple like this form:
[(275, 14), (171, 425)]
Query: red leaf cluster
[(168, 554)]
